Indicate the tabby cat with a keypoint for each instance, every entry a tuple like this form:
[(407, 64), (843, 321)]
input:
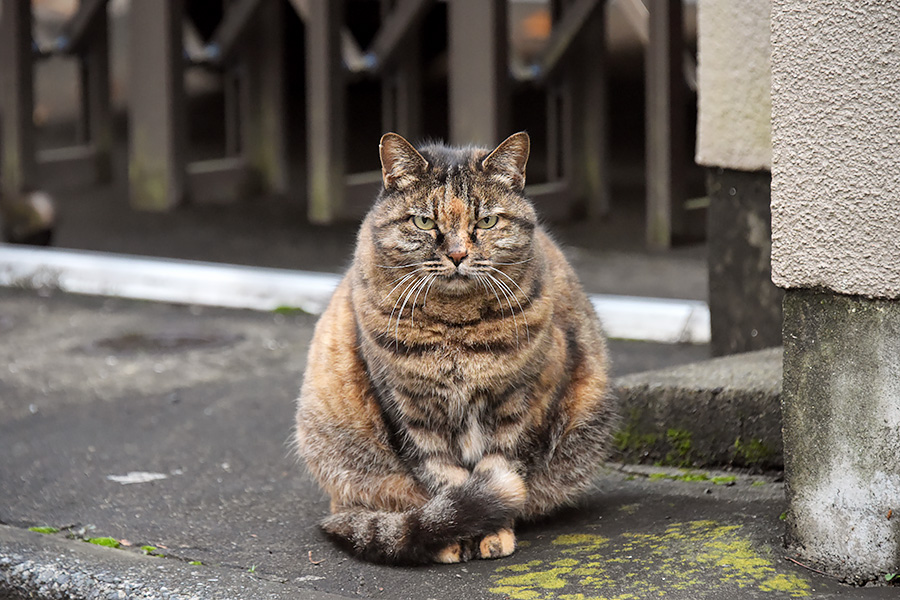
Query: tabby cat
[(457, 381)]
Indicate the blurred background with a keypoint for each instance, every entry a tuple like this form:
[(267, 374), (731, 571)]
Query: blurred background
[(246, 131)]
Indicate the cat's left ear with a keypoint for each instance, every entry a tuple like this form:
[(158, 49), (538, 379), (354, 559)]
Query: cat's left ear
[(401, 164), (507, 162)]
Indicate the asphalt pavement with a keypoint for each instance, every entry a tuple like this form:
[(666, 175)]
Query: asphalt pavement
[(166, 429)]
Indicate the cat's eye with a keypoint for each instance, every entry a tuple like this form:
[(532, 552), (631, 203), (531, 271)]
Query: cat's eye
[(421, 222), (486, 222)]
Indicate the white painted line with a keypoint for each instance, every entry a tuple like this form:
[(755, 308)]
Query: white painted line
[(233, 286), (653, 319)]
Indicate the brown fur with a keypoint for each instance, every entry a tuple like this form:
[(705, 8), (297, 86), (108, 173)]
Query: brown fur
[(442, 402)]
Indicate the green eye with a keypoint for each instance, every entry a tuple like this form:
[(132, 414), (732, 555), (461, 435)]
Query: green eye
[(486, 222), (423, 222)]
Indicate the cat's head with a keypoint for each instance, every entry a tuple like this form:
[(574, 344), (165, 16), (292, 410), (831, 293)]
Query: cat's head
[(457, 214)]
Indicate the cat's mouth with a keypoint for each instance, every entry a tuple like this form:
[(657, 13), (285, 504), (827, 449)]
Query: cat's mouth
[(456, 282)]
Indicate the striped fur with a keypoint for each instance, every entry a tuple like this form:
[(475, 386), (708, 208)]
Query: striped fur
[(447, 397)]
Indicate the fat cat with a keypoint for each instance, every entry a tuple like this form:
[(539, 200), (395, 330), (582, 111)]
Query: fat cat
[(457, 381)]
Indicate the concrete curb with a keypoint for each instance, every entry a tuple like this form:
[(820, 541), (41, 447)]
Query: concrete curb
[(725, 411), (233, 286), (47, 567)]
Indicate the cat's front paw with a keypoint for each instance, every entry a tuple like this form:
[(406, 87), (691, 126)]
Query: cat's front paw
[(497, 545), (454, 553)]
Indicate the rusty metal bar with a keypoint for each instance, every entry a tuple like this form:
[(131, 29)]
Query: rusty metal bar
[(17, 161), (157, 136), (478, 71), (325, 93), (665, 123)]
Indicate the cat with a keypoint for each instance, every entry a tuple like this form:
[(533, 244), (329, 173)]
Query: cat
[(458, 380)]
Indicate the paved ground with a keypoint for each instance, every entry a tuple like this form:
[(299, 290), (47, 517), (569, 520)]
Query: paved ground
[(94, 389)]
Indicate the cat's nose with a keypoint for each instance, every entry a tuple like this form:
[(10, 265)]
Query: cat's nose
[(457, 256)]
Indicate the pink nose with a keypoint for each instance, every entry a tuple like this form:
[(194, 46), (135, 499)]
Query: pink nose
[(457, 256)]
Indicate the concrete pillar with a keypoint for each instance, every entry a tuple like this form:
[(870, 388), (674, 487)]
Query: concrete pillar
[(157, 136), (836, 249), (734, 141)]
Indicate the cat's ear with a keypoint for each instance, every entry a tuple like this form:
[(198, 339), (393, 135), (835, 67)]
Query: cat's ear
[(507, 162), (401, 164)]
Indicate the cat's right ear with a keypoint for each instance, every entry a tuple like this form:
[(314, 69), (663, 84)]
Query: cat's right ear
[(401, 164)]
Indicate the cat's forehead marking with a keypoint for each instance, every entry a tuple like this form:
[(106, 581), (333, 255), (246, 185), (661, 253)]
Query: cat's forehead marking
[(452, 201)]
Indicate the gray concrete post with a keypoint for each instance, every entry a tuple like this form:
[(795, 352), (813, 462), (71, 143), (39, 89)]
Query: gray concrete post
[(665, 124), (17, 158), (734, 141), (836, 248), (158, 135), (326, 103), (478, 71)]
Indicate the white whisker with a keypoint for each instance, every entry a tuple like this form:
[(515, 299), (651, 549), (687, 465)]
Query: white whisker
[(521, 262), (513, 295), (406, 294), (428, 289), (506, 294), (400, 297), (486, 278), (425, 283), (408, 265), (513, 281), (401, 280)]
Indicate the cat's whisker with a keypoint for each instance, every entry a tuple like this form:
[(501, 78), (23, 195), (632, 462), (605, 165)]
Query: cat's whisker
[(425, 283), (521, 262), (527, 299), (507, 292), (399, 298), (513, 281), (402, 280), (428, 289), (406, 295), (405, 266), (486, 281)]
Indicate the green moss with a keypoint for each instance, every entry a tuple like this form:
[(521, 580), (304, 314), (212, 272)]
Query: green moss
[(752, 452), (104, 541), (758, 483), (195, 563), (691, 476), (680, 443), (45, 529), (684, 557), (628, 440), (289, 310), (694, 476)]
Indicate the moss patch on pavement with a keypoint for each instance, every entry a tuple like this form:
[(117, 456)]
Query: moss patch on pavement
[(704, 558)]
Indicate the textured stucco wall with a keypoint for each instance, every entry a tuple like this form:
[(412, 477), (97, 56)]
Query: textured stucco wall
[(836, 146), (733, 70)]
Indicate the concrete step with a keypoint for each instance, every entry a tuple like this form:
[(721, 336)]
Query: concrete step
[(721, 412)]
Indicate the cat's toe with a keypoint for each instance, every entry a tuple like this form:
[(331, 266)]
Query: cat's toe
[(498, 545), (450, 554)]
